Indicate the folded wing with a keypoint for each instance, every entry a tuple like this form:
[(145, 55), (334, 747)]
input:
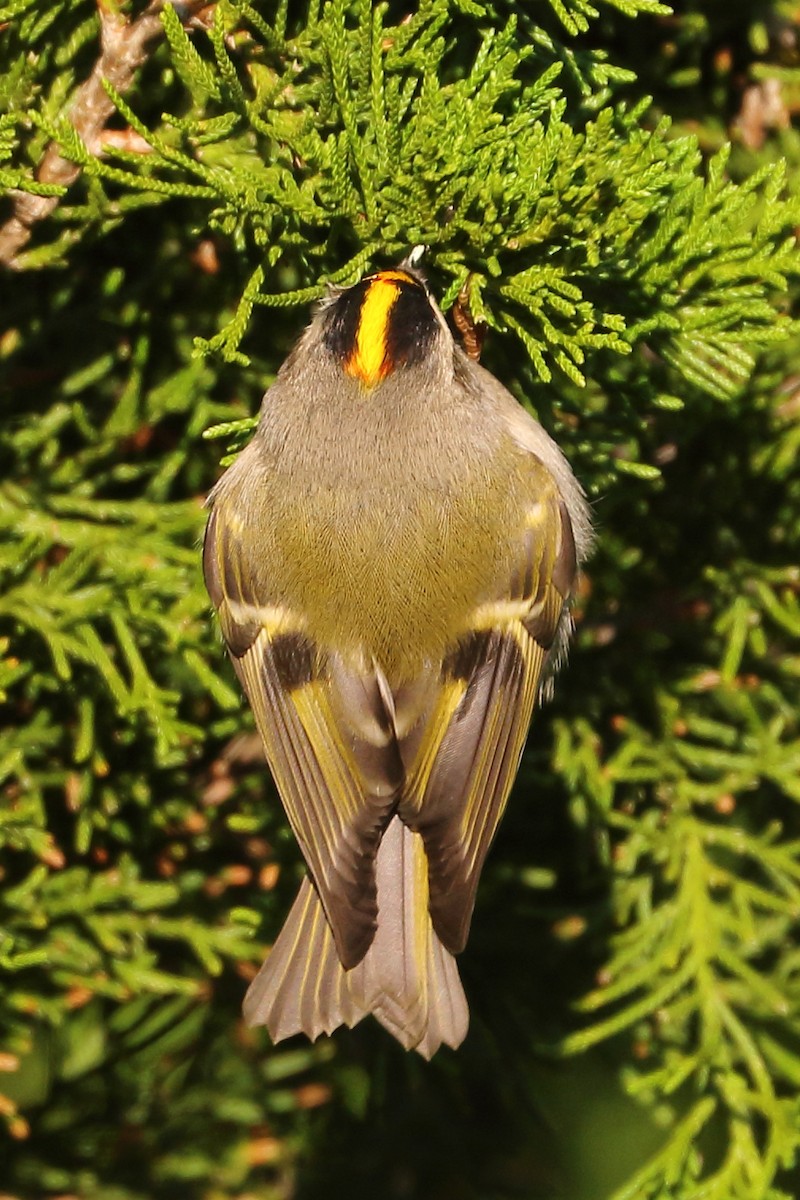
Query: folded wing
[(328, 739), (465, 732)]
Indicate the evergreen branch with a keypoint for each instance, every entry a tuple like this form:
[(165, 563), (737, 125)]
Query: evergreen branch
[(397, 143), (649, 1180), (124, 47)]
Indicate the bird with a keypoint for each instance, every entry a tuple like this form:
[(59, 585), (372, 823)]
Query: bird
[(392, 559)]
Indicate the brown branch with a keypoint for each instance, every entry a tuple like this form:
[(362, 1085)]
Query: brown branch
[(472, 332), (123, 49)]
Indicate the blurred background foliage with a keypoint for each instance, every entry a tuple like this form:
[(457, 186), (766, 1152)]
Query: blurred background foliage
[(633, 972)]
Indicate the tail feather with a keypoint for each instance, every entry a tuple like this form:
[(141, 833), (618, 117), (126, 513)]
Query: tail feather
[(448, 1014), (301, 986), (407, 979)]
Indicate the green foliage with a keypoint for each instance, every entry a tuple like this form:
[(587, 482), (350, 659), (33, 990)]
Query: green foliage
[(632, 965), (576, 16), (367, 140)]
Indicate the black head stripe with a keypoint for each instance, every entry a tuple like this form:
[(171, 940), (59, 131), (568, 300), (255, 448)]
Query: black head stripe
[(342, 319), (412, 326)]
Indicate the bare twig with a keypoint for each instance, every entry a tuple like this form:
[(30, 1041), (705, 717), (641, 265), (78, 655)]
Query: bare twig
[(123, 48)]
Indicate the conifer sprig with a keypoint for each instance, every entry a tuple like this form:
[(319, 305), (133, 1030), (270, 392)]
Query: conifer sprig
[(355, 136)]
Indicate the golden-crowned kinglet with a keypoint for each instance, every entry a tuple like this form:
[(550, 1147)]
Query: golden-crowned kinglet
[(391, 559)]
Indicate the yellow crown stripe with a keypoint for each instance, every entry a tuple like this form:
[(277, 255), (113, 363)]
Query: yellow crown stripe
[(396, 277), (367, 361)]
